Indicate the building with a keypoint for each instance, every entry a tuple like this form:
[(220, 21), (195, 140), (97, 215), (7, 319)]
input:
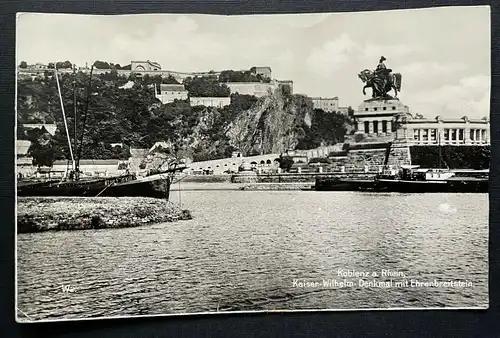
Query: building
[(463, 131), (327, 104), (24, 163), (22, 147), (343, 110), (167, 93), (92, 167), (140, 66), (257, 89), (210, 101), (38, 65), (285, 83), (265, 71), (60, 168), (49, 127), (297, 156)]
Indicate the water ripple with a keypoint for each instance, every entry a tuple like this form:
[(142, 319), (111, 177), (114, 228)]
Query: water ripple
[(243, 250)]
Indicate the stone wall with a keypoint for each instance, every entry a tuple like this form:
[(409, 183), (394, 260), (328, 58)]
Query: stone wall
[(365, 159), (244, 178), (257, 89), (362, 137), (277, 186), (399, 155), (210, 101), (286, 178), (298, 178), (207, 179), (369, 157), (218, 167)]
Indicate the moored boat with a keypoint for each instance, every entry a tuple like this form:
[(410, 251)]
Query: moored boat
[(340, 184), (412, 179), (156, 186)]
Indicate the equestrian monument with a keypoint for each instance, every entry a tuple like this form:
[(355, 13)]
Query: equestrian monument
[(377, 116)]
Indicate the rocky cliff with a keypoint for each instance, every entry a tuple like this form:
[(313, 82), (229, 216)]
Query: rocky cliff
[(275, 124)]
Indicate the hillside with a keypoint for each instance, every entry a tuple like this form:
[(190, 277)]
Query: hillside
[(136, 118)]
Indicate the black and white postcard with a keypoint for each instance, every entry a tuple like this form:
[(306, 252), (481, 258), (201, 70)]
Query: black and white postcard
[(199, 164)]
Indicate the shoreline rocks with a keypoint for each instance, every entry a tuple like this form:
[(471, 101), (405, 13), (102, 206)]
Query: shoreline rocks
[(38, 214)]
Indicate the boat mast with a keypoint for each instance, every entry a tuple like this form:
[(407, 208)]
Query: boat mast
[(89, 93), (74, 107), (64, 115), (439, 149)]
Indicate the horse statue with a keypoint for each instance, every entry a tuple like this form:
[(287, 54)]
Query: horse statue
[(381, 85)]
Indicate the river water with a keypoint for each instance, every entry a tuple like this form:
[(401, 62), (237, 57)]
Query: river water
[(265, 250)]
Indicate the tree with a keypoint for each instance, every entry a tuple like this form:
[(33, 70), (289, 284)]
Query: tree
[(42, 148), (206, 87), (64, 65), (326, 128), (121, 153), (285, 162), (350, 112), (239, 103), (169, 80), (23, 64), (101, 65), (110, 76), (240, 76), (397, 121)]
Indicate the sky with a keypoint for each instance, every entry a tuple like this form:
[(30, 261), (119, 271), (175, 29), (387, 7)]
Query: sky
[(443, 54)]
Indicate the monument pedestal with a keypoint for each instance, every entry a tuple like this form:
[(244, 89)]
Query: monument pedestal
[(375, 117)]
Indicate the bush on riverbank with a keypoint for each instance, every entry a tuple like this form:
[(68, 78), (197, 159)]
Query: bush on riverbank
[(37, 214)]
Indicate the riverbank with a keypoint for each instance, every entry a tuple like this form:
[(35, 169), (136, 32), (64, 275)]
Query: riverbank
[(195, 186), (207, 179), (277, 186), (38, 214), (269, 178)]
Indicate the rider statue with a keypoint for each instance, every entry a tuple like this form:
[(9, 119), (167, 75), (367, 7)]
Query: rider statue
[(382, 72)]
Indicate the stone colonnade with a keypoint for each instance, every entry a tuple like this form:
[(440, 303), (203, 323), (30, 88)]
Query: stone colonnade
[(473, 133)]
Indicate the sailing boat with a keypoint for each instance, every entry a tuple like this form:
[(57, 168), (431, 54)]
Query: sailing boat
[(127, 185)]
